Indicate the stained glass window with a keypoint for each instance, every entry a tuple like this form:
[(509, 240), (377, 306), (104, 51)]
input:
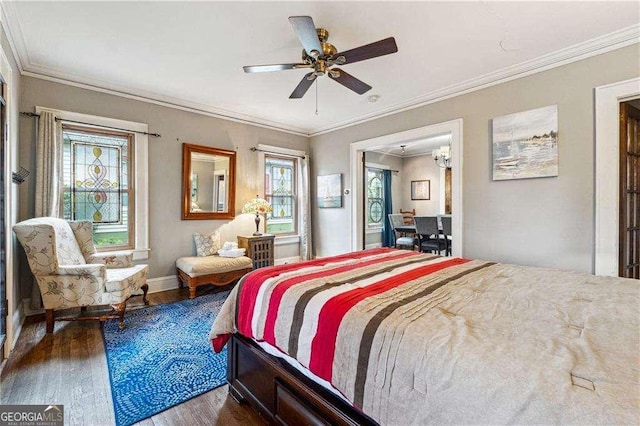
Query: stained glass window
[(375, 198), (96, 176), (280, 185), (96, 183)]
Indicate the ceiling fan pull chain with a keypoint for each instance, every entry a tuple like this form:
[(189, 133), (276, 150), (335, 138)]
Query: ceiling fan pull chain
[(317, 96)]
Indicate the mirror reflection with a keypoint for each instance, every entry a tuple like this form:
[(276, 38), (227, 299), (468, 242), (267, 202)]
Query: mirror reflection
[(208, 182)]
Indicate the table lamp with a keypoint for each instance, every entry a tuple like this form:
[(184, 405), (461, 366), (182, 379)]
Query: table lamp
[(258, 206)]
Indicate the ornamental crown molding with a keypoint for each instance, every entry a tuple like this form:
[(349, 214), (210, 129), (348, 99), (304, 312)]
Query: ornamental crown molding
[(597, 46)]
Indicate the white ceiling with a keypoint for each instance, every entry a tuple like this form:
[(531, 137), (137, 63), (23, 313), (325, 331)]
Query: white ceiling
[(191, 53)]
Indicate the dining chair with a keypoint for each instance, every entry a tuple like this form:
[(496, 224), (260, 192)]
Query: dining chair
[(407, 216), (429, 237), (396, 220), (446, 230)]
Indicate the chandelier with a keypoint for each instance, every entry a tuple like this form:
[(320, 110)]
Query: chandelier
[(442, 156)]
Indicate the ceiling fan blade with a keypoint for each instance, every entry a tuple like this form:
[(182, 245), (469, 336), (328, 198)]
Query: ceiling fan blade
[(368, 51), (306, 31), (274, 67), (349, 81), (303, 86)]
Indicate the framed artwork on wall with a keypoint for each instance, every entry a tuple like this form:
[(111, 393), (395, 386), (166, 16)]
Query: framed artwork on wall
[(421, 189), (329, 190), (525, 144)]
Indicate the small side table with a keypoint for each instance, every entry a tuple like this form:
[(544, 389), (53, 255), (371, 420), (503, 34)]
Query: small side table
[(259, 249)]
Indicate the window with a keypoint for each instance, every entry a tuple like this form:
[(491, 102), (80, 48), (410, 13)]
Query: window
[(108, 134), (97, 167), (280, 190), (375, 198)]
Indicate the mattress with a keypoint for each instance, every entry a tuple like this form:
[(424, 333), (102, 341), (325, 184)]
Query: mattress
[(413, 338)]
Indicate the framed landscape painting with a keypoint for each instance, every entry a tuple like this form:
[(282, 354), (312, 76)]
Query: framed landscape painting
[(329, 190), (525, 144)]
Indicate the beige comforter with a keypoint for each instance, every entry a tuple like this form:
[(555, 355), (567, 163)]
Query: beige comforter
[(467, 342)]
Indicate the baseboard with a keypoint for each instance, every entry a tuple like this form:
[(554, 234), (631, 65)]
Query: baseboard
[(372, 245), (159, 284), (26, 306), (156, 285), (18, 320), (285, 260)]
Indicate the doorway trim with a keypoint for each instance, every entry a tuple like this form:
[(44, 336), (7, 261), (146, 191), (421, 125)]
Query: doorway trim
[(607, 172), (356, 151), (14, 313)]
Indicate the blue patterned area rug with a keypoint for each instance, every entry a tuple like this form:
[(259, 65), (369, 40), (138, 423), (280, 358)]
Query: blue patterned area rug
[(163, 357)]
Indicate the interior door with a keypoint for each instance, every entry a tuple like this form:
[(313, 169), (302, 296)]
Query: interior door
[(3, 256), (629, 240)]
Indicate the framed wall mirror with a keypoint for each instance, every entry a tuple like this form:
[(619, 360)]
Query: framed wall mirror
[(208, 182)]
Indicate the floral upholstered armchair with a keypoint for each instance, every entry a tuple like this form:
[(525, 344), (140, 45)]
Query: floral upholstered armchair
[(70, 272)]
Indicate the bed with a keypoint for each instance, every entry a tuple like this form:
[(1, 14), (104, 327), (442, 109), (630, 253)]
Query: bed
[(399, 337)]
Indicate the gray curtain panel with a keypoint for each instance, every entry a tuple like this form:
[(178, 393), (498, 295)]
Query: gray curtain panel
[(48, 178), (305, 203)]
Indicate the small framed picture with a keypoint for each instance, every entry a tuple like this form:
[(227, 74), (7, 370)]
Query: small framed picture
[(329, 191), (421, 189)]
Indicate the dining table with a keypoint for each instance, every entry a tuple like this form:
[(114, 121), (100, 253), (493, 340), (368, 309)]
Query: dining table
[(409, 229)]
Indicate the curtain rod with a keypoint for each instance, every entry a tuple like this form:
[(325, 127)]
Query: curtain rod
[(378, 168), (31, 114), (254, 149)]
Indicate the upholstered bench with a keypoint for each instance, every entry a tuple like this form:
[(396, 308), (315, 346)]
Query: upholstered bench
[(200, 270)]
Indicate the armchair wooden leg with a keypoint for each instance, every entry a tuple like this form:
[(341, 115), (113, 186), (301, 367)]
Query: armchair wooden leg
[(180, 283), (145, 289), (49, 316), (192, 292), (121, 308)]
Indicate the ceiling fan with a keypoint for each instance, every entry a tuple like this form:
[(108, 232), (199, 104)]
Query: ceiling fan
[(320, 56)]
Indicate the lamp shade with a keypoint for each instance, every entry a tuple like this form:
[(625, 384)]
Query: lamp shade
[(442, 156), (258, 206), (442, 152)]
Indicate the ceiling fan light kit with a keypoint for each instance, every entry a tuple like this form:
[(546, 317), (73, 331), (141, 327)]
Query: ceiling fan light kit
[(320, 55)]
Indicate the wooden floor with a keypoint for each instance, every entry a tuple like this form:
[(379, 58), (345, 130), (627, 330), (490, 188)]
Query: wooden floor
[(69, 367)]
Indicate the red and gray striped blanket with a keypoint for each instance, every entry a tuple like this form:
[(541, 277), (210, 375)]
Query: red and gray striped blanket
[(410, 337)]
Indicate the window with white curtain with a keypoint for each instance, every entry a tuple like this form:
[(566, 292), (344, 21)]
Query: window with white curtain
[(106, 179)]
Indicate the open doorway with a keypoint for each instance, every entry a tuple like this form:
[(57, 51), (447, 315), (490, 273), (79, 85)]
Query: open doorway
[(404, 179), (629, 240), (607, 179), (439, 134)]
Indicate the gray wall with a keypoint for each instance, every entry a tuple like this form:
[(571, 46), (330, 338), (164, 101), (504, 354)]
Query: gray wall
[(545, 222), (170, 237), (421, 168)]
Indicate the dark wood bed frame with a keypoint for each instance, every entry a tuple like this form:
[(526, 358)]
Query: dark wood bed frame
[(280, 393)]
